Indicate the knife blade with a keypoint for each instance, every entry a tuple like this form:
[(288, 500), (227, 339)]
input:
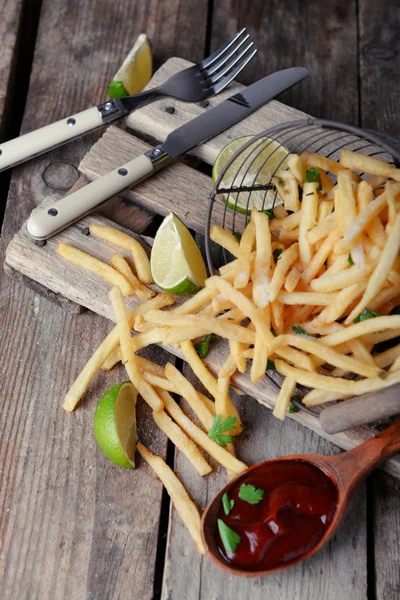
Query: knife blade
[(45, 223)]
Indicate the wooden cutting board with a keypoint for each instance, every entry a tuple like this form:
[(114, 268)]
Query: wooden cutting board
[(180, 188)]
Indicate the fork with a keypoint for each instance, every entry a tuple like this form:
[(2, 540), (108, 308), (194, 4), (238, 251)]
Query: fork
[(195, 84)]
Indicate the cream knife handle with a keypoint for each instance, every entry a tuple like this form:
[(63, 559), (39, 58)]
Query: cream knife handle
[(41, 140), (44, 223)]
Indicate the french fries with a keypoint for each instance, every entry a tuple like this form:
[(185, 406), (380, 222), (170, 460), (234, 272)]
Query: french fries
[(122, 266), (123, 240), (185, 507)]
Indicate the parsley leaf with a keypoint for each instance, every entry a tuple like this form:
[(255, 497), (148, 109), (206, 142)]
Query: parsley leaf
[(276, 254), (229, 538), (312, 176), (366, 314), (292, 407), (218, 428), (237, 235), (350, 260), (270, 364), (227, 504), (270, 213), (250, 494), (203, 347), (300, 331)]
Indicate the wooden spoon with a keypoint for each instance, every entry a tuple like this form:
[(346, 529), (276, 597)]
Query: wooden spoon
[(346, 470)]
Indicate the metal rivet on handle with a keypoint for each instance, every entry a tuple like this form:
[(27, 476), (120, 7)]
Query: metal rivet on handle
[(156, 152), (108, 106), (53, 212), (71, 122), (122, 172)]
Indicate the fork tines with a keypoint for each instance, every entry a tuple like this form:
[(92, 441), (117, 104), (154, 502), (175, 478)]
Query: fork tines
[(224, 65)]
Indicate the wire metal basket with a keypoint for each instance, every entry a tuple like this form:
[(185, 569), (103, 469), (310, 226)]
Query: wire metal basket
[(241, 185)]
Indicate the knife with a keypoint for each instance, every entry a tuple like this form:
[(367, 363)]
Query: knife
[(47, 222)]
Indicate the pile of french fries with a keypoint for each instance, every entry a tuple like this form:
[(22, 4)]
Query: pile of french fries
[(310, 289)]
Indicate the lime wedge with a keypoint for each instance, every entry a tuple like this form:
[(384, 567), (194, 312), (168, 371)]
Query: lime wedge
[(135, 72), (176, 262), (114, 424), (248, 170)]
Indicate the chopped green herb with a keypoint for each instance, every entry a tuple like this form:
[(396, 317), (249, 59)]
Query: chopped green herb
[(203, 347), (270, 213), (229, 538), (292, 407), (227, 504), (270, 364), (218, 429), (300, 331), (237, 235), (350, 260), (366, 314), (250, 494), (312, 176), (383, 375), (276, 254)]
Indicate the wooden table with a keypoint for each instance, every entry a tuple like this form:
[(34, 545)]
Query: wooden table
[(71, 524)]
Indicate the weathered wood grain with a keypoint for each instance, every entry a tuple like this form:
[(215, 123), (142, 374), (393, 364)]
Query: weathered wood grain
[(49, 269), (338, 571), (319, 36), (71, 524), (152, 121), (379, 51), (11, 12)]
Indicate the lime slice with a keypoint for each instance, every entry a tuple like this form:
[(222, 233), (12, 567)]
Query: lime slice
[(176, 262), (135, 72), (114, 424), (244, 171)]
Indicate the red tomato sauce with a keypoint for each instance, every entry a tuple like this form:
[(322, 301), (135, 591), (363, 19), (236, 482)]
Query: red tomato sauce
[(298, 505)]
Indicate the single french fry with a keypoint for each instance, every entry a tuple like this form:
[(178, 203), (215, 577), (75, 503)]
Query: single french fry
[(309, 212), (285, 261), (160, 382), (322, 162), (123, 240), (299, 359), (108, 346), (277, 316), (327, 354), (94, 265), (288, 190), (186, 389), (380, 336), (357, 330), (225, 239), (389, 357), (280, 212), (316, 397), (199, 368), (285, 236), (262, 263), (315, 329), (284, 397), (236, 350), (297, 167), (243, 268), (367, 164), (337, 384), (185, 507), (338, 281), (383, 297), (196, 302), (381, 271), (320, 256), (323, 228), (287, 224), (124, 331), (292, 279), (308, 298), (181, 441), (123, 267), (325, 209), (198, 436), (341, 302), (224, 405), (347, 201), (209, 324), (228, 367), (176, 335)]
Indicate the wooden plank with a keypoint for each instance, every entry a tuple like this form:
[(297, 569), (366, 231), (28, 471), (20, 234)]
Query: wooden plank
[(153, 121), (379, 27), (11, 12), (322, 38), (49, 269), (89, 525), (315, 578)]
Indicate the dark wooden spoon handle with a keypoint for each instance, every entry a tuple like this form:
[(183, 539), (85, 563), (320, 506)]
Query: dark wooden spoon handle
[(361, 410)]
